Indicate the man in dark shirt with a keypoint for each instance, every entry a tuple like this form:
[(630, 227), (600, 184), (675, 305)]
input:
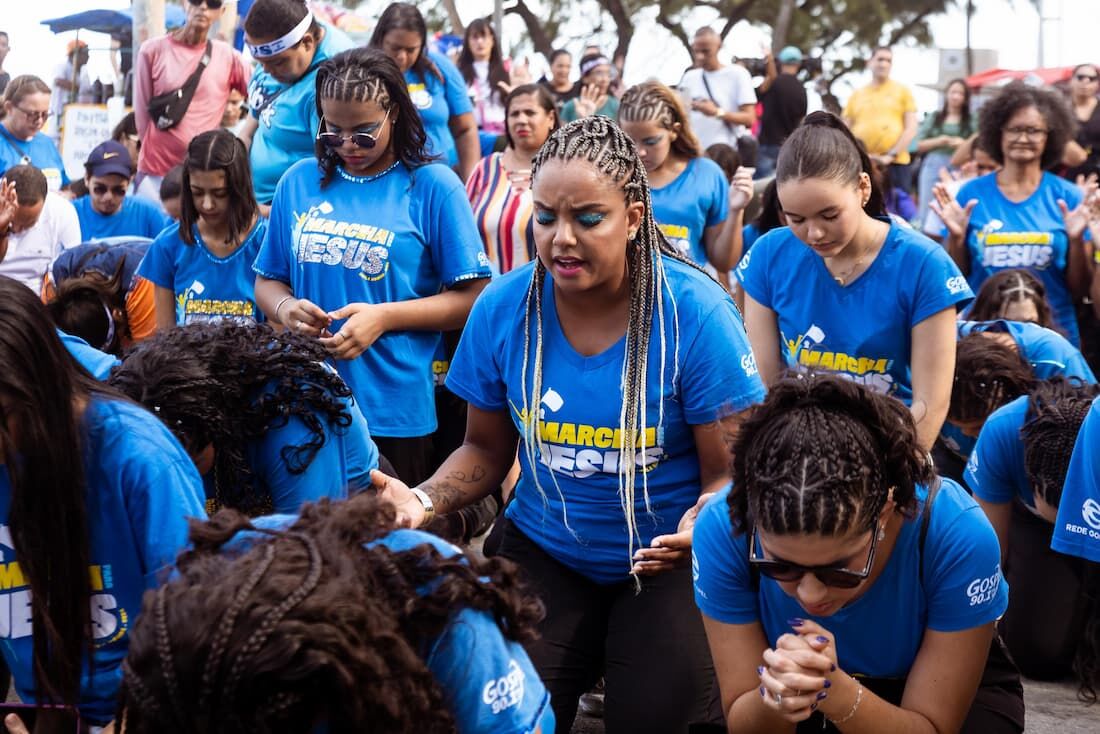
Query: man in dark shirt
[(784, 100)]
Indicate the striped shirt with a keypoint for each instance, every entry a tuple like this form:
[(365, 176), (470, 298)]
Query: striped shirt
[(503, 214)]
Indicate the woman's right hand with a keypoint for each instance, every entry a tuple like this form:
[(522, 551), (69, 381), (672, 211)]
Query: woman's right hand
[(590, 100), (9, 203), (14, 725), (955, 217), (305, 317), (410, 511)]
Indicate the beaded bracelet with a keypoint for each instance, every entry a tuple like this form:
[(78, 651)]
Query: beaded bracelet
[(859, 697)]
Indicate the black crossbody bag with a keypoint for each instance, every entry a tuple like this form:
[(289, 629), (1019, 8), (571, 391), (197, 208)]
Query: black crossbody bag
[(166, 110)]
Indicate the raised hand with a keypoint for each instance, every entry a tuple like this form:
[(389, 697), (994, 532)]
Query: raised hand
[(955, 217)]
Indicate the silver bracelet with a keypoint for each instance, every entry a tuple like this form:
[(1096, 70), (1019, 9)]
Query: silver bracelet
[(426, 502), (852, 712), (279, 305)]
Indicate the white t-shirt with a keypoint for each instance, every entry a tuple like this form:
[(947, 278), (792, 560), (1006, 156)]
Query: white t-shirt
[(730, 87), (31, 253), (60, 97)]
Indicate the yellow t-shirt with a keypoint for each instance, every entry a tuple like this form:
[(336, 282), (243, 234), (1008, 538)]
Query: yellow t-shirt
[(878, 116)]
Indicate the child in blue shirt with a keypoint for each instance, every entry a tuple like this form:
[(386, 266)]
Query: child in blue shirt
[(95, 496), (843, 290), (202, 266), (435, 85), (425, 639), (609, 363), (269, 424), (856, 580), (376, 253)]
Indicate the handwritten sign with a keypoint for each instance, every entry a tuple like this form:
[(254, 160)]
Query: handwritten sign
[(84, 126)]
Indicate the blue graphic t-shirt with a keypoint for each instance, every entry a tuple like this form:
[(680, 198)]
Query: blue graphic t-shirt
[(1049, 353), (709, 373), (287, 117), (39, 152), (1077, 531), (996, 471), (138, 217), (439, 101), (98, 363), (401, 236), (879, 633), (207, 287), (862, 331), (1029, 234), (487, 680), (696, 199), (141, 488)]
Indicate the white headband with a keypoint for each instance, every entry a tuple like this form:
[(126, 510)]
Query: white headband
[(267, 50)]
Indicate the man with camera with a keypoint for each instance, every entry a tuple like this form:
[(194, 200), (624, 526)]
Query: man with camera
[(723, 104), (784, 100)]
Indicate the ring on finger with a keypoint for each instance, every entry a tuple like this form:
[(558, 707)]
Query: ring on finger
[(779, 699)]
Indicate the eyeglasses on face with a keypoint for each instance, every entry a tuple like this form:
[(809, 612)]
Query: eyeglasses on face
[(35, 116), (831, 575), (362, 140), (1025, 132), (212, 4)]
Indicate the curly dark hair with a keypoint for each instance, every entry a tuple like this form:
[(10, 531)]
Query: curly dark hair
[(988, 374), (820, 455), (1016, 96), (311, 624), (1006, 287), (227, 384)]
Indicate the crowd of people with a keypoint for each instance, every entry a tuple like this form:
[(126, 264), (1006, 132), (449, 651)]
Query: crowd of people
[(761, 426)]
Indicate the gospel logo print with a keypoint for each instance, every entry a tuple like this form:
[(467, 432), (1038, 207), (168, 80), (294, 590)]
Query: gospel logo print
[(982, 591), (505, 692), (360, 246), (109, 622)]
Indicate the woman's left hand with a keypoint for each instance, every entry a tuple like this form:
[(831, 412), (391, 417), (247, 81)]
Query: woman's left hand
[(669, 551), (741, 189), (14, 725), (1077, 220), (365, 323), (794, 676)]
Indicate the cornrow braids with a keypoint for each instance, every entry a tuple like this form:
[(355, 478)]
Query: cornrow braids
[(315, 623), (988, 374), (820, 455), (1006, 288), (1055, 411), (653, 101), (368, 75), (600, 142), (227, 384)]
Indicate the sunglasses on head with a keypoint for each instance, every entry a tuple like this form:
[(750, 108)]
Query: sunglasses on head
[(102, 189), (831, 575), (365, 141), (212, 4)]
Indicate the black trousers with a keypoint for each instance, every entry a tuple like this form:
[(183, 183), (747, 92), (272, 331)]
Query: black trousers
[(410, 458), (649, 645)]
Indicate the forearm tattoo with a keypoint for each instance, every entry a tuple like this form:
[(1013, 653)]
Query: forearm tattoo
[(455, 490)]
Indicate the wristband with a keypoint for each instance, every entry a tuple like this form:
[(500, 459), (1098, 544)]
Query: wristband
[(279, 305), (852, 712), (719, 113), (426, 501)]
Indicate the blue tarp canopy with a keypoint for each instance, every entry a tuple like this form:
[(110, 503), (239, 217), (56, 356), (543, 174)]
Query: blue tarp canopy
[(116, 23)]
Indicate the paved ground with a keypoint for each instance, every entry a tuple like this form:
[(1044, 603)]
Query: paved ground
[(1052, 708)]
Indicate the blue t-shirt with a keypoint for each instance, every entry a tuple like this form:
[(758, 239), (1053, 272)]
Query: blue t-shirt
[(487, 680), (750, 233), (404, 235), (879, 633), (207, 287), (1049, 353), (98, 363), (1077, 531), (696, 199), (287, 117), (862, 331), (1029, 234), (138, 217), (709, 373), (40, 152), (996, 471), (340, 467), (141, 488), (439, 101)]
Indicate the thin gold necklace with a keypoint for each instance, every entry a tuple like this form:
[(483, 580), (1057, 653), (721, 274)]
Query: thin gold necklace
[(842, 279)]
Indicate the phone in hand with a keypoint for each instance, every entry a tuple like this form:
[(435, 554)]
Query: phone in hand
[(59, 719)]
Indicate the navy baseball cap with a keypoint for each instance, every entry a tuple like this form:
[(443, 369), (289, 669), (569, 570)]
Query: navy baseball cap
[(107, 158)]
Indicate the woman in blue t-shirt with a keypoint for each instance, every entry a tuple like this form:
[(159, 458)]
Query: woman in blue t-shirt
[(202, 267), (269, 424), (333, 622), (26, 108), (1022, 216), (844, 582), (94, 499), (435, 86), (696, 209), (845, 290), (1016, 472), (609, 345), (376, 253)]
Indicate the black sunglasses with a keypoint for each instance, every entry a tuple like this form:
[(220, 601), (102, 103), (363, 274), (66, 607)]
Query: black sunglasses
[(836, 576), (366, 141), (212, 4), (101, 190)]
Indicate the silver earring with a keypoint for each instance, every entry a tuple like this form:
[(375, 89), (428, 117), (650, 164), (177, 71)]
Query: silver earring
[(881, 533)]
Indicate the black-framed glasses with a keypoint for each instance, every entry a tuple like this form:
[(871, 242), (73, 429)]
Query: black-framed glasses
[(1026, 132), (832, 575), (35, 116), (366, 141), (212, 4), (1085, 77)]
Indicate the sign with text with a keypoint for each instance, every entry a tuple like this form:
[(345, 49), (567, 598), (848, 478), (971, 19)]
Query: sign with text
[(83, 127)]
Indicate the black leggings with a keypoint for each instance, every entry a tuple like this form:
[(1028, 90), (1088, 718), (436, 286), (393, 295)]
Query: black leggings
[(1047, 610), (650, 646)]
